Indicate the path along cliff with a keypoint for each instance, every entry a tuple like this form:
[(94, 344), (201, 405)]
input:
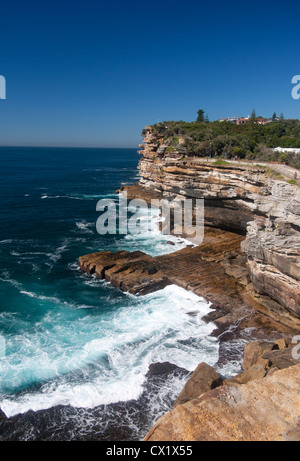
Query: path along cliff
[(248, 265)]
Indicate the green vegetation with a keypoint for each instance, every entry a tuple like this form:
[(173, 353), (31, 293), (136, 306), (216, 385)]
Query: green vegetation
[(293, 181), (251, 140), (274, 174), (221, 162)]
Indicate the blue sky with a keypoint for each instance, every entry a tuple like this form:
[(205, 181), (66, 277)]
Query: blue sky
[(93, 73)]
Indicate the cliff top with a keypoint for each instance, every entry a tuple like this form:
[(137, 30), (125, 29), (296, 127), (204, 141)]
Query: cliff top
[(250, 141)]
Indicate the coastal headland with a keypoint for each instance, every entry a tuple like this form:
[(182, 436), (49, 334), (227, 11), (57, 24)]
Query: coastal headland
[(248, 268)]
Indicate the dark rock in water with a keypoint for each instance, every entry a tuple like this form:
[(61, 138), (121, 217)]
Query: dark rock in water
[(216, 313), (193, 313), (3, 421), (115, 422), (160, 368), (121, 421)]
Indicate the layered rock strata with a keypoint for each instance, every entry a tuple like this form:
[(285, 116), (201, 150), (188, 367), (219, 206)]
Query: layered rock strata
[(193, 268), (243, 199)]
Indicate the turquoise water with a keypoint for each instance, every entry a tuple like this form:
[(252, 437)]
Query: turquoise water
[(67, 338)]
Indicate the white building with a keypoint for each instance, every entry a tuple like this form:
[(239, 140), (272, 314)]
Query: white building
[(292, 150)]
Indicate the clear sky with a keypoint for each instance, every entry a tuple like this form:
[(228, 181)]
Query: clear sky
[(93, 73)]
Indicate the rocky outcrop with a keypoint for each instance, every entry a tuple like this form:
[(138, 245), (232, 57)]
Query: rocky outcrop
[(265, 409), (229, 191), (243, 199), (260, 404), (193, 268), (133, 272)]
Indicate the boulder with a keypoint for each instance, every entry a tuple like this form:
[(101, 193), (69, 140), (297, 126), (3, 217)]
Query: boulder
[(256, 371), (276, 354), (202, 380), (254, 351), (280, 359)]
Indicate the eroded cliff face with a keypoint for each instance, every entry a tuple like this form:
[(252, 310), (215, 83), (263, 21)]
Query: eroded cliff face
[(229, 192), (243, 199)]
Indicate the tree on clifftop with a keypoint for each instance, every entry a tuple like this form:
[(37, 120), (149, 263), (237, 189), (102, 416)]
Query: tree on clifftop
[(200, 117)]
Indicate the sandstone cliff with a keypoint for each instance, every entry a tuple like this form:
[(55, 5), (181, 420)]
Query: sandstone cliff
[(240, 198), (248, 267)]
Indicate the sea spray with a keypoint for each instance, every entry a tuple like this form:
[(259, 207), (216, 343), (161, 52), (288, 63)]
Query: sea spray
[(115, 352)]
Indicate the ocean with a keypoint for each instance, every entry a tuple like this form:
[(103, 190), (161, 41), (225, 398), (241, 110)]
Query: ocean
[(75, 351)]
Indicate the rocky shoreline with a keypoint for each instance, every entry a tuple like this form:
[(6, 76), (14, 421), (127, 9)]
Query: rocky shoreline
[(248, 267), (207, 270), (259, 404)]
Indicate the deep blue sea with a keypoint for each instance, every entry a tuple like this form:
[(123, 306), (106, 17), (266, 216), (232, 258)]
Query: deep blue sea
[(71, 344)]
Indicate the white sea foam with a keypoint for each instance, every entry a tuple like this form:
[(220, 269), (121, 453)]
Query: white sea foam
[(7, 279), (120, 346), (85, 227), (41, 297), (57, 254), (78, 196)]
